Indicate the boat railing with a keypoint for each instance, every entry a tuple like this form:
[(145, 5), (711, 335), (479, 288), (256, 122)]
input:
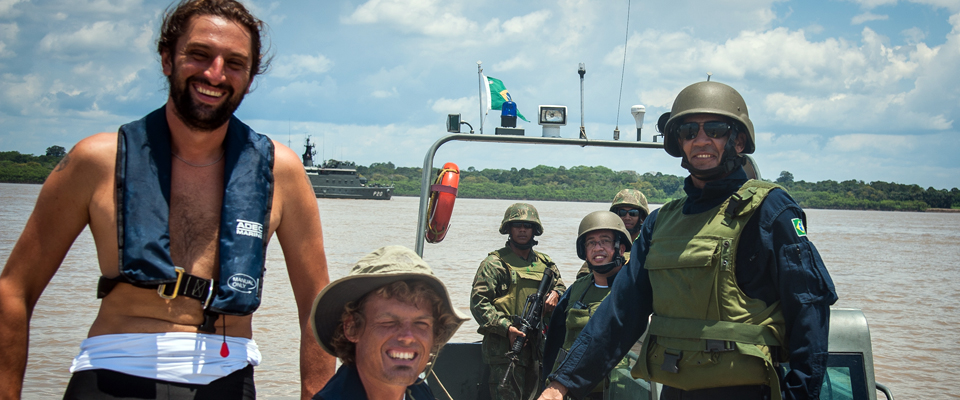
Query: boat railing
[(427, 176)]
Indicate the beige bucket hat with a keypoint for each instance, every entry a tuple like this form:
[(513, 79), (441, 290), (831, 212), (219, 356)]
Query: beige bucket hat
[(381, 267)]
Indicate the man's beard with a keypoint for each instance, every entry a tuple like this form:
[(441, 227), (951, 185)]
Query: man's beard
[(197, 115)]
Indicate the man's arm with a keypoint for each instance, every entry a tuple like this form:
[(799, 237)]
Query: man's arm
[(806, 293), (490, 275), (613, 328), (61, 213), (556, 334), (301, 239)]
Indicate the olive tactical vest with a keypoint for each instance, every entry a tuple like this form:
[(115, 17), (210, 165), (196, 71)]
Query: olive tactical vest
[(705, 332), (584, 299), (525, 277)]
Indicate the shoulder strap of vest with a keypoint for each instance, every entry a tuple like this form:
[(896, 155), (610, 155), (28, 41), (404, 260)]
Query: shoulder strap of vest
[(742, 201)]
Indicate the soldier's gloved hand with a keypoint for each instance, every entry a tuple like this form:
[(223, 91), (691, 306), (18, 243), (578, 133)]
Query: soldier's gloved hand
[(551, 302), (513, 334)]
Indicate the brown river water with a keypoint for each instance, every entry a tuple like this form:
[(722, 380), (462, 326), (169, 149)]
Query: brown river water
[(899, 268)]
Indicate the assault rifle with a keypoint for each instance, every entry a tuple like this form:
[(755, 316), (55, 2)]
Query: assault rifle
[(529, 321)]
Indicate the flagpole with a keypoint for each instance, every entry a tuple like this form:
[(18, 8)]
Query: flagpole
[(480, 84)]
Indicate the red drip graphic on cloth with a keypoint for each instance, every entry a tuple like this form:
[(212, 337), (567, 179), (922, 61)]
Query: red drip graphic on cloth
[(224, 350)]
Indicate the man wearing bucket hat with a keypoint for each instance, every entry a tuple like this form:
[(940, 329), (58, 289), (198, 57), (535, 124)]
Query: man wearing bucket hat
[(500, 289), (727, 274), (386, 321)]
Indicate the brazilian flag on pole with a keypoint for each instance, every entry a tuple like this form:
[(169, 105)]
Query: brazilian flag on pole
[(498, 95)]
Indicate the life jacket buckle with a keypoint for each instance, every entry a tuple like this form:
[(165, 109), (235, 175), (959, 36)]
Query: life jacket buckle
[(671, 361), (162, 289)]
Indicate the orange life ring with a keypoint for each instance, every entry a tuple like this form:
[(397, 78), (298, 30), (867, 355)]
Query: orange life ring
[(442, 195)]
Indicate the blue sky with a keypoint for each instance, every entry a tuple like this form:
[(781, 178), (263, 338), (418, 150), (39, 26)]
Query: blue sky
[(837, 89)]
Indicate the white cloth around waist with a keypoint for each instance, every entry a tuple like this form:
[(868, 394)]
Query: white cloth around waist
[(181, 357)]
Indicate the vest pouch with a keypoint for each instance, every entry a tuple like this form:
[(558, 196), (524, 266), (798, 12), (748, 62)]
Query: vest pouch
[(698, 369), (690, 265)]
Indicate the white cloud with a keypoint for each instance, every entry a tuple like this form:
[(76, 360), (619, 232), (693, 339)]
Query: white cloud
[(871, 4), (524, 24), (383, 94), (952, 5), (102, 35), (427, 17), (304, 93), (6, 7), (913, 36), (107, 6), (300, 65), (867, 17), (8, 32), (455, 106), (872, 143), (520, 61)]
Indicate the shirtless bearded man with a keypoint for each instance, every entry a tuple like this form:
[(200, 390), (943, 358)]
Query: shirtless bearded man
[(181, 205)]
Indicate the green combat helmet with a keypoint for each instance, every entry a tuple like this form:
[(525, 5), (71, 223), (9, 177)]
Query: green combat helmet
[(521, 212), (707, 98), (599, 220), (632, 198)]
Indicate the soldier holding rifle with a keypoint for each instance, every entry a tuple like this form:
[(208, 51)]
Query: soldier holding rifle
[(504, 281)]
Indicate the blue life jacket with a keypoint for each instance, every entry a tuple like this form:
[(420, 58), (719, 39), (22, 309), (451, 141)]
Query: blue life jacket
[(143, 210)]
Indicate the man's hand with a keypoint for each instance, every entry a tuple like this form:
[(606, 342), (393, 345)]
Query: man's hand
[(555, 391), (513, 334), (551, 302)]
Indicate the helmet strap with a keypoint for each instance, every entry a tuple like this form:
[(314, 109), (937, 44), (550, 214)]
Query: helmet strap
[(728, 163), (528, 245), (617, 261)]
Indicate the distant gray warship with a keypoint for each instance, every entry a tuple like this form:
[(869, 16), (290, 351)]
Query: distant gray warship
[(339, 179)]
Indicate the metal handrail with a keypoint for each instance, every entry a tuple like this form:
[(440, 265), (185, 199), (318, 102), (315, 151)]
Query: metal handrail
[(883, 389), (427, 176)]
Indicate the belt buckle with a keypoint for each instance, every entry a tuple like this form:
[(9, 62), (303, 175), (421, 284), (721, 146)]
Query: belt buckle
[(717, 346), (162, 288), (671, 361)]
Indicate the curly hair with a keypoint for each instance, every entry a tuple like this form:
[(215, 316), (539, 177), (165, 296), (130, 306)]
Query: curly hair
[(409, 292), (177, 18)]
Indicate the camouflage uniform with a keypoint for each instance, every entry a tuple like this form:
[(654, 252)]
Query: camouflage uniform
[(492, 283)]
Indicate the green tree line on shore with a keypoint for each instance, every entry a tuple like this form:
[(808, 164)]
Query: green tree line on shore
[(28, 168), (579, 183), (599, 184)]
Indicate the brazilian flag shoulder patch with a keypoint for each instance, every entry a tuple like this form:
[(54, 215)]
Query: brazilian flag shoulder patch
[(798, 226)]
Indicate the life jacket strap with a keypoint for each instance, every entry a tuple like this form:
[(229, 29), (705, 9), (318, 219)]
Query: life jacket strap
[(194, 287)]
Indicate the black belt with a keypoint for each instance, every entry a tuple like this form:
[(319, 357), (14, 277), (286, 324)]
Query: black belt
[(187, 285)]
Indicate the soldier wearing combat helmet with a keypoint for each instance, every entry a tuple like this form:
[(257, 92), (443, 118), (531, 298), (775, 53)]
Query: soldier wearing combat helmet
[(631, 206), (740, 288), (503, 282), (603, 242)]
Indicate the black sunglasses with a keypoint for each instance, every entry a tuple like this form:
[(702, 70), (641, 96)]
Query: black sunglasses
[(631, 212), (713, 129), (524, 225)]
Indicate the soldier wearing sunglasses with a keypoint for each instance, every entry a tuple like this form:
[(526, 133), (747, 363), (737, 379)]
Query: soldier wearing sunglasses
[(731, 283), (503, 282)]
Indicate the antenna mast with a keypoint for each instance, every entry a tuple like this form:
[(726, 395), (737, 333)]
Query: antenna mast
[(582, 71)]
